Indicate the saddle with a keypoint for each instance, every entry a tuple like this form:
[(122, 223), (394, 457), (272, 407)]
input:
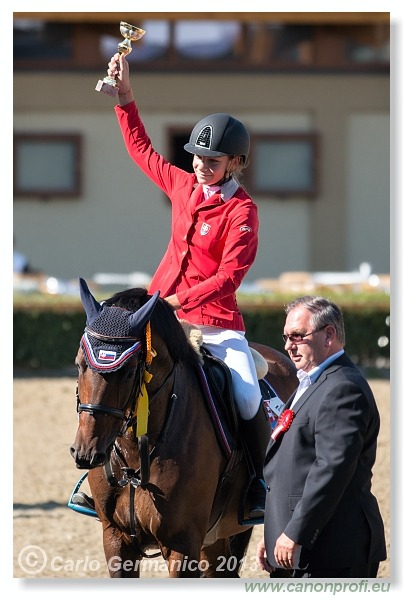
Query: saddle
[(216, 380)]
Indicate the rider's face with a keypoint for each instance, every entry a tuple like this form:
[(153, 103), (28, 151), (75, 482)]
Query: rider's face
[(210, 170)]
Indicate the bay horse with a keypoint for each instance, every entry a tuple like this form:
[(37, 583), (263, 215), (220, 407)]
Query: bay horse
[(157, 472)]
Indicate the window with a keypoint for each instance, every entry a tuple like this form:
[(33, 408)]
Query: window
[(283, 165), (39, 40), (340, 42), (178, 156), (47, 165)]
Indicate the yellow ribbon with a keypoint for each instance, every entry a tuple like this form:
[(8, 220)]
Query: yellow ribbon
[(142, 406), (142, 400)]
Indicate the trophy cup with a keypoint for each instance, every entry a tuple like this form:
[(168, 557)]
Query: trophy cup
[(131, 34)]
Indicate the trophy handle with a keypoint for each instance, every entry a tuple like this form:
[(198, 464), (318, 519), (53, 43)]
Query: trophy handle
[(125, 47)]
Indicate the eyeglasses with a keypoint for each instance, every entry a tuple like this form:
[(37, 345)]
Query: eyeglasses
[(298, 338)]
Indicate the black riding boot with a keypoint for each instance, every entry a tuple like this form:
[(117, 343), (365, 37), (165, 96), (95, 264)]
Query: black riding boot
[(256, 435)]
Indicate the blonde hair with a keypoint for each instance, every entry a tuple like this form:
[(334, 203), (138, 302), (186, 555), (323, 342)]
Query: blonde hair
[(239, 167)]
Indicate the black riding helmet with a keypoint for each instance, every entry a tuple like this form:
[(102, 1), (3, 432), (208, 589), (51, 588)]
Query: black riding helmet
[(219, 135)]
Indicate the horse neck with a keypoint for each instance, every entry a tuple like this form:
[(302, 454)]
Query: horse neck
[(161, 368)]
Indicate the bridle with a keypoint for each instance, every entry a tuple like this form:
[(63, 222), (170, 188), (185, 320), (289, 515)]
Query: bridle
[(133, 410), (130, 405)]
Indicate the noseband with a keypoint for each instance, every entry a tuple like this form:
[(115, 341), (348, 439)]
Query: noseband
[(103, 410)]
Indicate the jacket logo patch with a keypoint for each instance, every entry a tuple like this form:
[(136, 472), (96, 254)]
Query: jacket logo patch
[(245, 228), (205, 228)]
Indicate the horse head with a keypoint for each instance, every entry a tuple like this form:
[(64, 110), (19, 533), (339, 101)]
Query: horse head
[(111, 362)]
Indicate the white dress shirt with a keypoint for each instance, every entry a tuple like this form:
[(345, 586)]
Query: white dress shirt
[(306, 379)]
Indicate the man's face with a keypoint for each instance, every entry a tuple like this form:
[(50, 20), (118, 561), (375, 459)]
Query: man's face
[(306, 351)]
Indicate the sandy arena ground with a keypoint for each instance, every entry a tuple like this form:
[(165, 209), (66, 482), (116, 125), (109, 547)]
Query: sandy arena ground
[(52, 541)]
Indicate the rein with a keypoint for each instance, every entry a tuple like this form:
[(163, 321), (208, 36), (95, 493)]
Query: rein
[(134, 477)]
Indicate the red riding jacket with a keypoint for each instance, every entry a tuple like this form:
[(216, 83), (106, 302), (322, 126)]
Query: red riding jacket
[(213, 243)]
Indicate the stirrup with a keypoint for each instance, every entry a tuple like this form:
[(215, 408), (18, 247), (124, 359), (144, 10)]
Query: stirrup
[(83, 499), (257, 508), (256, 514), (81, 502)]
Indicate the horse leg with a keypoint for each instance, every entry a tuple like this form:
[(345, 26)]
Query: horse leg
[(122, 559), (239, 545), (184, 560), (217, 561), (181, 565), (225, 557)]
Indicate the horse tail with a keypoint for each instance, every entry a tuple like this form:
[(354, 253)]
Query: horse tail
[(239, 545)]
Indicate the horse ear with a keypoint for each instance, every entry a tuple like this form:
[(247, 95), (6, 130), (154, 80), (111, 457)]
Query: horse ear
[(139, 319), (91, 306)]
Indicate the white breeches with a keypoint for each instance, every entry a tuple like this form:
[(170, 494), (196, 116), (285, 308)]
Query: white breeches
[(232, 348)]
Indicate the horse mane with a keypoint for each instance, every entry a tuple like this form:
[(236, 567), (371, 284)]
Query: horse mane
[(163, 321)]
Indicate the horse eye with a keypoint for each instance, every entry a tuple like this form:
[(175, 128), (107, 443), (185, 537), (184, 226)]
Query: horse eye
[(81, 365), (126, 373)]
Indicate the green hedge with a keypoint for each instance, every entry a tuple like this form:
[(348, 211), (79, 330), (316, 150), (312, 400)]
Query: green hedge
[(48, 337), (364, 327)]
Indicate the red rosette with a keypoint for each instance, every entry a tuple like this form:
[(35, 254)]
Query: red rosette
[(283, 423)]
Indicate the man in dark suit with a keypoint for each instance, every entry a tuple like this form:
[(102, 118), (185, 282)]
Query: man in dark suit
[(321, 519)]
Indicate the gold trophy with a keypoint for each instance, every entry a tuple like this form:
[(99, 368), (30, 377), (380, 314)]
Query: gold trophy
[(108, 85)]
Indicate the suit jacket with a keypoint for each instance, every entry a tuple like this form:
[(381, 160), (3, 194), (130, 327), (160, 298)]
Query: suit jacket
[(319, 474)]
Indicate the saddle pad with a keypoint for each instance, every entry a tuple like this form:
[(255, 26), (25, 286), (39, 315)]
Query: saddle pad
[(215, 402), (216, 383)]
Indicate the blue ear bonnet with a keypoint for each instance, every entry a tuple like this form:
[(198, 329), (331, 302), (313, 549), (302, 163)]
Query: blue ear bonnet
[(113, 334), (108, 343)]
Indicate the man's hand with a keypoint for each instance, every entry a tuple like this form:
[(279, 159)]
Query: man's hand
[(262, 558), (287, 552)]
